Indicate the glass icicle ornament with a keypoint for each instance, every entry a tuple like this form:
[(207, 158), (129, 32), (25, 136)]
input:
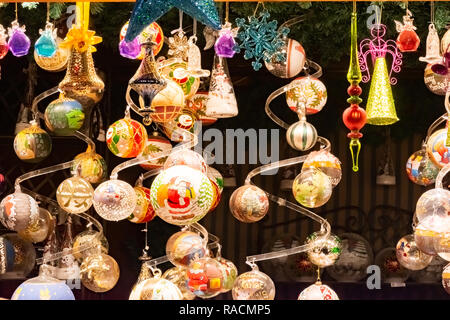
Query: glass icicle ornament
[(18, 42), (407, 40), (46, 45)]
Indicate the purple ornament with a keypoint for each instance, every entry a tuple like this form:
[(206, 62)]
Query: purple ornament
[(130, 50), (442, 68), (19, 43), (224, 45)]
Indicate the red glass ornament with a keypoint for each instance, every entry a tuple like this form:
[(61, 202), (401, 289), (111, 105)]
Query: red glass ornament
[(3, 50), (408, 41), (354, 90), (354, 118)]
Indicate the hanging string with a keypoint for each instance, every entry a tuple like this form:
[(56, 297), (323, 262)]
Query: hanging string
[(194, 29), (432, 12), (16, 13), (227, 11), (318, 275), (257, 6), (48, 12), (354, 6)]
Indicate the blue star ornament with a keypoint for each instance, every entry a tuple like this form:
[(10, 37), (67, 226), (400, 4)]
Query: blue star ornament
[(148, 11)]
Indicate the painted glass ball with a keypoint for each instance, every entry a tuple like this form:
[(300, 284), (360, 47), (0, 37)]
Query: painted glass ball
[(32, 144), (74, 195), (43, 288), (301, 135), (188, 158), (156, 146), (434, 202), (216, 195), (41, 230), (181, 195), (156, 289), (318, 291), (176, 129), (168, 103), (446, 278), (312, 188), (437, 150), (178, 276), (144, 211), (295, 56), (18, 211), (24, 255), (197, 103), (64, 116), (309, 91), (152, 32), (230, 273), (325, 162), (205, 277), (253, 285), (178, 72), (216, 177), (249, 203), (114, 200), (126, 138), (324, 251), (99, 272), (184, 247), (409, 255), (420, 169), (90, 166), (6, 256), (435, 82), (55, 63), (428, 233), (87, 243)]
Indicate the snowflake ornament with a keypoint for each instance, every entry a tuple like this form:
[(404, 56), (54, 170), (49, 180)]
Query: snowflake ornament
[(261, 39)]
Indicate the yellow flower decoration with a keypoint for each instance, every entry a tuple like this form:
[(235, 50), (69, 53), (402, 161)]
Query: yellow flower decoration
[(81, 39)]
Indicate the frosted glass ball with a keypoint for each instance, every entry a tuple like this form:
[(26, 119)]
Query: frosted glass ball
[(409, 255), (446, 278), (312, 188), (41, 230), (90, 166), (178, 276), (249, 203), (253, 285), (434, 202), (156, 289), (74, 195), (184, 247), (89, 239), (420, 169), (205, 277), (230, 273), (318, 291), (301, 135), (144, 210), (325, 162), (156, 147), (325, 251), (18, 211), (99, 273), (188, 158), (114, 200)]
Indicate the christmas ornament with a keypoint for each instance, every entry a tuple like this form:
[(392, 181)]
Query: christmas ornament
[(293, 62), (312, 188), (445, 41), (132, 49), (437, 150), (435, 82), (197, 103), (126, 138), (442, 245), (90, 166), (55, 63), (89, 238), (168, 103), (428, 233), (144, 211), (156, 147), (442, 66), (420, 169), (178, 72), (249, 203), (4, 47), (146, 11), (24, 256), (181, 195), (99, 272), (18, 42), (301, 135), (216, 196), (32, 144), (41, 230), (261, 40), (185, 120), (216, 177), (325, 162), (184, 247), (3, 183), (230, 273), (407, 40), (391, 270), (446, 278), (179, 46), (6, 256), (74, 195), (433, 53), (64, 116), (46, 45), (178, 276), (67, 266), (409, 255), (324, 251), (225, 43), (309, 93), (380, 103), (318, 291), (18, 211), (188, 158), (114, 200), (434, 202), (156, 289), (43, 287), (253, 285), (205, 277)]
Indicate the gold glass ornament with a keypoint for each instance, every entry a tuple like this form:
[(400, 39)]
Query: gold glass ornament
[(74, 195), (24, 256), (156, 289), (178, 277), (55, 63), (32, 144), (99, 272), (41, 230), (89, 238), (90, 166)]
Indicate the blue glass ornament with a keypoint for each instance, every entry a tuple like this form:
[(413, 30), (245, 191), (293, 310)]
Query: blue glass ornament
[(148, 11), (46, 45), (261, 39)]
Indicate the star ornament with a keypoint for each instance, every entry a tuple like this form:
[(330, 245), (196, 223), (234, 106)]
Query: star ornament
[(148, 11)]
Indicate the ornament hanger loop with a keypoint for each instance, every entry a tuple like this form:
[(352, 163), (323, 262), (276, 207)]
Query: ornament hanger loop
[(260, 3)]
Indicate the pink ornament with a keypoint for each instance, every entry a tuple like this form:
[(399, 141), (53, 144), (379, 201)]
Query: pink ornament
[(130, 50)]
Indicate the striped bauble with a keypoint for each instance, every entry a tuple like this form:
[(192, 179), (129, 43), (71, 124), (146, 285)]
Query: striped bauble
[(301, 135)]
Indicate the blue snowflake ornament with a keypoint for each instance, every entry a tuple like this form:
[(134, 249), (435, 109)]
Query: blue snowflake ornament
[(261, 39)]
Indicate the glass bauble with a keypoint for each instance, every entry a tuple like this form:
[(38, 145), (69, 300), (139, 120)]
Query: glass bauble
[(55, 63), (294, 62), (64, 116), (181, 195), (188, 158), (153, 32), (420, 169), (308, 91), (324, 251), (197, 103), (90, 166), (442, 246), (126, 138), (46, 45), (215, 176), (6, 256), (301, 135), (114, 200), (24, 256), (32, 144), (410, 256), (18, 211), (87, 243), (156, 289), (435, 82), (178, 72), (184, 247), (41, 230), (434, 202), (205, 277), (3, 183), (178, 276), (185, 121), (408, 40), (445, 41), (391, 269), (74, 195), (230, 273), (325, 162), (18, 42), (249, 203), (144, 211), (168, 103), (156, 147), (253, 285), (216, 195), (437, 150), (446, 278), (318, 291), (312, 188), (99, 272), (428, 233)]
